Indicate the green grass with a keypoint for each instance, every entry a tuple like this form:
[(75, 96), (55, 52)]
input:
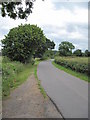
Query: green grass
[(39, 83), (14, 74), (28, 69), (76, 74), (0, 58)]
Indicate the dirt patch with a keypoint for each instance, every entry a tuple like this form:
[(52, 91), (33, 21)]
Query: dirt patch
[(26, 101)]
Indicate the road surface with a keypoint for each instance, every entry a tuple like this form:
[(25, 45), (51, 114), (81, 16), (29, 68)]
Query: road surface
[(69, 93)]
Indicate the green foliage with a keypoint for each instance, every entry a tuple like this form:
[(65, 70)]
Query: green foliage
[(15, 73), (9, 72), (76, 64), (39, 83), (44, 49), (65, 48), (15, 9), (44, 57), (50, 44), (49, 54), (56, 53), (22, 41), (87, 53), (74, 73), (40, 51), (32, 61), (78, 52)]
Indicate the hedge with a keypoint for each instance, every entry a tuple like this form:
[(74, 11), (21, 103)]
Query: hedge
[(74, 65)]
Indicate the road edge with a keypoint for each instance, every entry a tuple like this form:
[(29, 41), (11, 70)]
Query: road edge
[(36, 76)]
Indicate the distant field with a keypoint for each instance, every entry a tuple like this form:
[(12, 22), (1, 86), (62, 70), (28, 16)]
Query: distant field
[(76, 64)]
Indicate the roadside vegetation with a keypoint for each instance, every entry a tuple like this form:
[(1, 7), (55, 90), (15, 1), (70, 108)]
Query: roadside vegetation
[(13, 74), (68, 69), (39, 83), (76, 63)]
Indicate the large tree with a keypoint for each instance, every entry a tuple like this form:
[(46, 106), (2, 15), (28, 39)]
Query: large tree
[(22, 41), (17, 8), (65, 48)]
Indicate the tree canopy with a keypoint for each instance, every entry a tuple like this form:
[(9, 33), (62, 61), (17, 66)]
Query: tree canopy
[(65, 48), (22, 41), (87, 53), (17, 8), (50, 44), (44, 47), (78, 52)]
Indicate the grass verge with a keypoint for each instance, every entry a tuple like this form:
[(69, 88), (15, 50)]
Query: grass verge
[(24, 74), (39, 83), (13, 79), (76, 74)]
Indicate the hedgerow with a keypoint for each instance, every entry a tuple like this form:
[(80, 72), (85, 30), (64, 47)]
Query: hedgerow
[(75, 65)]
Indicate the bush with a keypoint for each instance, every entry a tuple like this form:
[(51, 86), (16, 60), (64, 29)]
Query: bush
[(32, 61), (44, 57)]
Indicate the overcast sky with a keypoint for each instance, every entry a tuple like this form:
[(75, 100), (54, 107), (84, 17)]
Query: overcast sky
[(60, 21)]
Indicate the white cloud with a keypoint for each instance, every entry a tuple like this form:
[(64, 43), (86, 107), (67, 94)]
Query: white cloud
[(45, 13), (76, 35), (53, 21)]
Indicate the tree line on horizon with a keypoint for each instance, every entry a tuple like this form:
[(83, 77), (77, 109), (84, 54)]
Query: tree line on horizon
[(65, 49)]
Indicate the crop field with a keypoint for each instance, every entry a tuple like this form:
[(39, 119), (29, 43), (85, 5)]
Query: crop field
[(78, 64)]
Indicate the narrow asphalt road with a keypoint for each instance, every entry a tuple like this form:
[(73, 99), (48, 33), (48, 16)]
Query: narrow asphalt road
[(69, 93)]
